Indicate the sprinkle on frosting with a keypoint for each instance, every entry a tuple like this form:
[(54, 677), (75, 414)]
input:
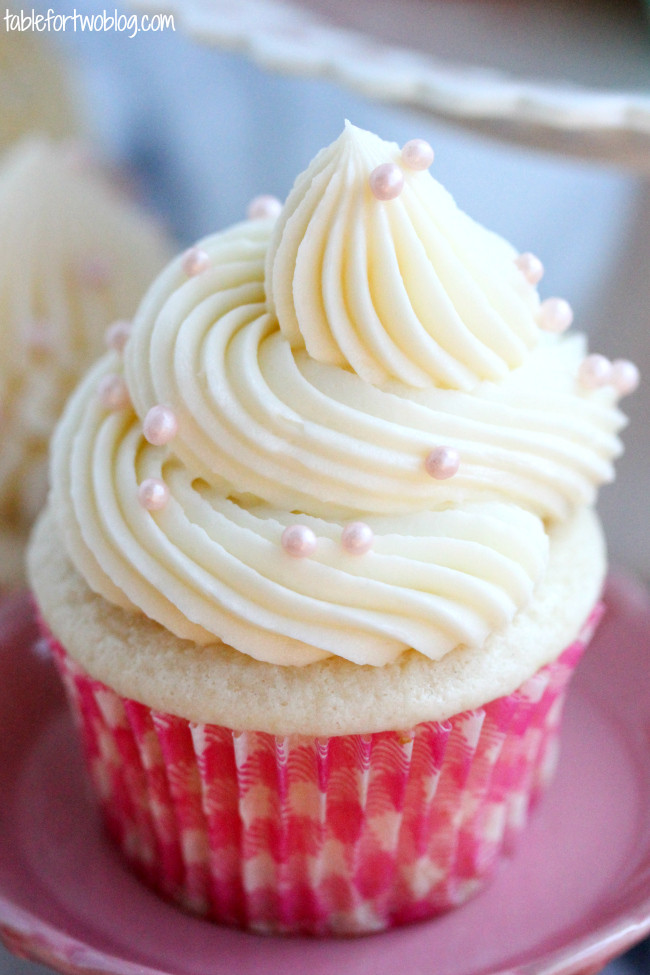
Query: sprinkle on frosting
[(264, 206), (357, 538), (386, 181), (153, 494), (95, 272), (195, 260), (160, 425), (625, 376), (38, 337), (595, 371), (442, 462), (113, 392), (299, 541), (555, 315), (531, 267), (417, 154), (117, 334)]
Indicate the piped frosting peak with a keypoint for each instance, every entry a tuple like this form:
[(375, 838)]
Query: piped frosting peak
[(408, 288)]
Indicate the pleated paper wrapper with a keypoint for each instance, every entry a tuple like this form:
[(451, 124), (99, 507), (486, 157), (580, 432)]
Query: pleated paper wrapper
[(344, 835)]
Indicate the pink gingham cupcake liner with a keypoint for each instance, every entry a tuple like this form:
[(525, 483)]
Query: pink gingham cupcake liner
[(343, 835)]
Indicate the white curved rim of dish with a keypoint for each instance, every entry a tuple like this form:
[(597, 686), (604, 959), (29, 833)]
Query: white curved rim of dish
[(27, 936), (30, 937), (282, 37)]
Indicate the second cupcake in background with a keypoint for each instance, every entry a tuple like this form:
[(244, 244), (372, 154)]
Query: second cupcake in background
[(77, 255), (320, 555), (35, 88)]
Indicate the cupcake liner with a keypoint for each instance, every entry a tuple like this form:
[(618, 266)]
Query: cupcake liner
[(343, 835)]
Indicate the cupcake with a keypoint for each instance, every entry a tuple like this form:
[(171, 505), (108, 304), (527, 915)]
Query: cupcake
[(318, 577), (34, 88), (76, 257)]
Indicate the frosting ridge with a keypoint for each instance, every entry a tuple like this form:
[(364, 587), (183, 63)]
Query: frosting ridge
[(410, 290)]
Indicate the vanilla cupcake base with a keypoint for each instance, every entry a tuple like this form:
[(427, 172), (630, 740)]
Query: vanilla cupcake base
[(337, 835)]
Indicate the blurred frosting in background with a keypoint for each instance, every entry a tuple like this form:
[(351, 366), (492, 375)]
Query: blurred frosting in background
[(76, 253), (75, 256), (33, 88)]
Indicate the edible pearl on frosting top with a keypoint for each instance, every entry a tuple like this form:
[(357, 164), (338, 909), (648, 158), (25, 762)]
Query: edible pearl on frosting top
[(442, 462), (194, 261), (531, 267), (160, 425), (117, 334), (555, 315), (113, 392), (357, 538), (263, 206), (595, 370), (38, 336), (298, 541), (625, 376), (95, 272), (386, 181), (417, 154), (153, 494)]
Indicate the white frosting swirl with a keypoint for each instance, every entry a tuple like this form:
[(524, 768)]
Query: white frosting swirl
[(413, 291), (278, 423)]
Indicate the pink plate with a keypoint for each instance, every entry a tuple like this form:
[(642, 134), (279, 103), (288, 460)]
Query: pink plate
[(576, 893)]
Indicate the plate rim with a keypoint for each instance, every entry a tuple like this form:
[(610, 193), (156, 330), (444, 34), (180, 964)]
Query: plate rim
[(301, 43)]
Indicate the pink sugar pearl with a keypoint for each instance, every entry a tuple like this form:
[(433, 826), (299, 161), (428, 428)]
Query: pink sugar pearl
[(555, 315), (386, 181), (113, 392), (298, 541), (95, 272), (263, 206), (153, 494), (78, 155), (531, 267), (39, 336), (442, 462), (417, 154), (160, 425), (117, 334), (625, 376), (195, 260), (595, 370), (357, 538)]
